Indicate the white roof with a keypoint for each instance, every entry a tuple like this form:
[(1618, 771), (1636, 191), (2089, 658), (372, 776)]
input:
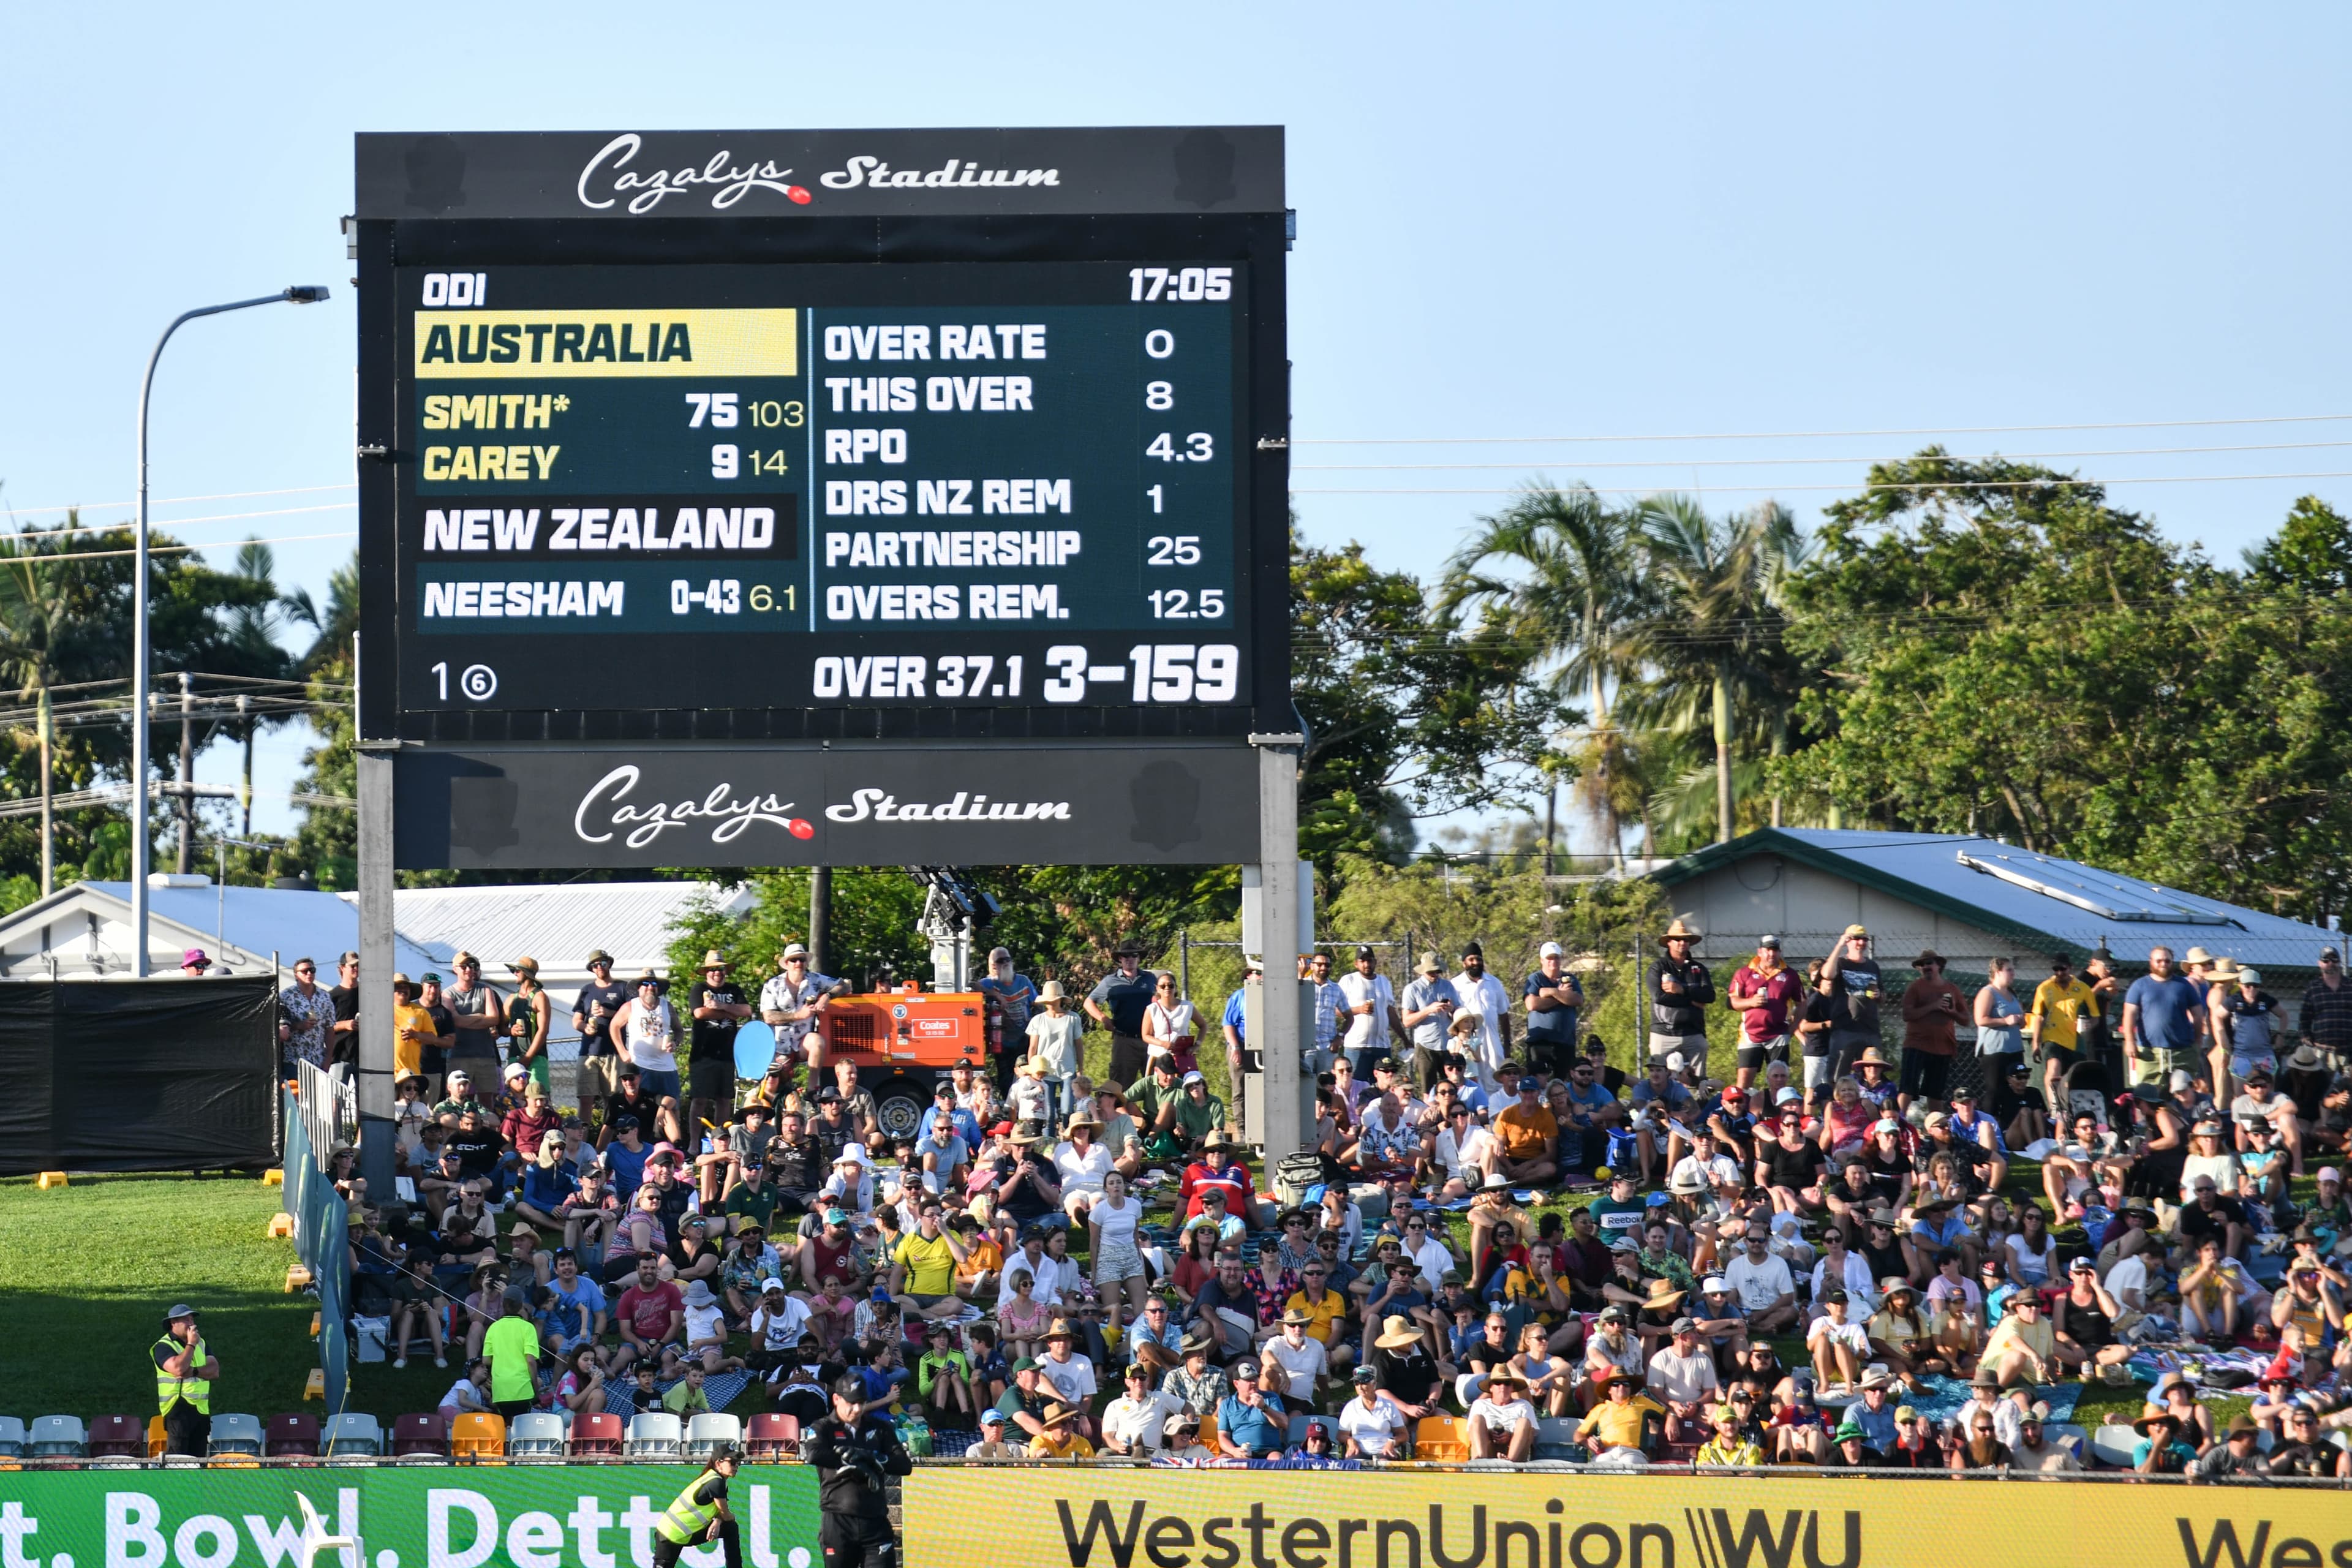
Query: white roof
[(84, 929), (557, 924)]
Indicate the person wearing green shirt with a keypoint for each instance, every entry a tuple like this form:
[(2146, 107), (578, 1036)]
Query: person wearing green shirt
[(511, 1344), (752, 1199), (943, 1378), (1621, 1212), (1198, 1112), (685, 1398)]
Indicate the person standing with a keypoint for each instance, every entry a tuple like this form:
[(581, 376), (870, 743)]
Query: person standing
[(718, 1009), (343, 1035), (1999, 1018), (1680, 990), (184, 1373), (2164, 1019), (2058, 1021), (1240, 1062), (593, 1012), (1371, 1013), (511, 1345), (1852, 974), (647, 1030), (528, 1022), (1428, 1005), (854, 1451), (2325, 1019), (1485, 998), (700, 1514), (480, 1013), (1011, 997), (1931, 1024), (1767, 993), (1330, 1006), (306, 1015), (1555, 1002), (1117, 1002)]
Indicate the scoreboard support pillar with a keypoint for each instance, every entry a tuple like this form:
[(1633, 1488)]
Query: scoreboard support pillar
[(375, 765), (1278, 1042)]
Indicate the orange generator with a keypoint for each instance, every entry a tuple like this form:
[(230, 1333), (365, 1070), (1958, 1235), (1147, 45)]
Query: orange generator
[(903, 1042)]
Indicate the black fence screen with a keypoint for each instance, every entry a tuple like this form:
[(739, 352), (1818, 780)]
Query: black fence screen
[(138, 1075)]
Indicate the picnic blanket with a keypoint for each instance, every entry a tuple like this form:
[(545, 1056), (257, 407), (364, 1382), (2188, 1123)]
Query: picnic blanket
[(621, 1399), (1944, 1395)]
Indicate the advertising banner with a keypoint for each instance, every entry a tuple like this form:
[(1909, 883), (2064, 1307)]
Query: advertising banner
[(1209, 1519), (551, 1515)]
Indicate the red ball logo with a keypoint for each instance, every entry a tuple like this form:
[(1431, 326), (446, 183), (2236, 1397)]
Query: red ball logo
[(798, 193), (799, 828)]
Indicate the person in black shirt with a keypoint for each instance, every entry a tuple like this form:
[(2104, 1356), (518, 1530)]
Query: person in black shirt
[(477, 1148), (1889, 1255), (853, 1450), (1680, 990), (797, 1165), (593, 1012), (343, 1036), (632, 1101), (718, 1009), (1407, 1373)]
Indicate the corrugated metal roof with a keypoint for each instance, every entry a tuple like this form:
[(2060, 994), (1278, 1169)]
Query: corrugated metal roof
[(2037, 898), (557, 924), (290, 922)]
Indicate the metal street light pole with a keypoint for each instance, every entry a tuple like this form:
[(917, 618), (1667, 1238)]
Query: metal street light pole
[(299, 294)]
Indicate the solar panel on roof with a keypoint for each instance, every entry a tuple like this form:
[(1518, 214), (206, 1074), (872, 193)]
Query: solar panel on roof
[(2102, 894)]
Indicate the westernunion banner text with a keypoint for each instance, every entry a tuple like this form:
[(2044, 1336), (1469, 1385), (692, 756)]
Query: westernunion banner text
[(1056, 1518), (552, 345)]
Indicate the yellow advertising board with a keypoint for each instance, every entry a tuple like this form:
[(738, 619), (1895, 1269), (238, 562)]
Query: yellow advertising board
[(1102, 1518)]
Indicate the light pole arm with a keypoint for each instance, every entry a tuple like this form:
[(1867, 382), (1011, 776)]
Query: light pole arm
[(299, 295)]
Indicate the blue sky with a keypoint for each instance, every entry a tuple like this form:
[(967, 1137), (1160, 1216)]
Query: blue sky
[(1530, 221)]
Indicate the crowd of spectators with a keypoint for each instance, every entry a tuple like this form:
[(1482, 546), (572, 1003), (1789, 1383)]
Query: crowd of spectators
[(1803, 1251)]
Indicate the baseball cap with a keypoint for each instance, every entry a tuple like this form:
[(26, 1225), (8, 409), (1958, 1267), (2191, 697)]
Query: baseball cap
[(1768, 940), (1529, 1085), (2330, 1173), (1246, 1367), (1715, 1284), (1188, 1080), (1364, 1374), (1549, 950), (770, 1283), (992, 1416)]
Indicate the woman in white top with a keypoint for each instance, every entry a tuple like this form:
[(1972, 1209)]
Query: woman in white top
[(649, 1030), (1055, 1043), (2209, 1156), (1167, 1018), (1080, 1165), (1111, 1224), (2032, 1250)]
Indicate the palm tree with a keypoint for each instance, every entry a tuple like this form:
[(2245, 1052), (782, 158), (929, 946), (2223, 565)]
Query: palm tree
[(37, 580), (336, 623), (1558, 565), (1715, 630)]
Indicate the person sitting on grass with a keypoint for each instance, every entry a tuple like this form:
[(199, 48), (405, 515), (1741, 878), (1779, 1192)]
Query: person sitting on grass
[(1838, 1347), (2022, 1347), (943, 1378)]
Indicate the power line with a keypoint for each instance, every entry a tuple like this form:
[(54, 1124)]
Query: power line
[(176, 500), (178, 549), (2053, 482), (1817, 462), (42, 533), (1803, 434)]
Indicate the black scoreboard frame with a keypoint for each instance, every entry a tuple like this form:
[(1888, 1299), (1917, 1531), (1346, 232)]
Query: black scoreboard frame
[(1140, 196)]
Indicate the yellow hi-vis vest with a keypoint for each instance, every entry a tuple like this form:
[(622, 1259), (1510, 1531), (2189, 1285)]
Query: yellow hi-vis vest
[(192, 1388), (685, 1519)]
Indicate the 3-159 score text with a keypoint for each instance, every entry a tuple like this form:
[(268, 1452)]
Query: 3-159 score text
[(1149, 673)]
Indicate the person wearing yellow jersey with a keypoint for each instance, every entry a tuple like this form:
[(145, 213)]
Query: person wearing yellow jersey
[(1061, 1438), (2063, 1008), (184, 1373), (1729, 1445), (700, 1513), (411, 1026)]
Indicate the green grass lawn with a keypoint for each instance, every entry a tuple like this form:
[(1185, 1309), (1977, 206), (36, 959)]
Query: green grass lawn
[(86, 1274)]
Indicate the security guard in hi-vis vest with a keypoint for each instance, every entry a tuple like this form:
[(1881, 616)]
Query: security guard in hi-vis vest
[(700, 1513), (184, 1371)]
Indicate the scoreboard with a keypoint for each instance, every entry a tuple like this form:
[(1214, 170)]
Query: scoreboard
[(846, 454)]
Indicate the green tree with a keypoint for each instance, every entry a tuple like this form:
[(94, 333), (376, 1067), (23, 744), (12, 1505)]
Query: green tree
[(327, 844), (1561, 572), (39, 600)]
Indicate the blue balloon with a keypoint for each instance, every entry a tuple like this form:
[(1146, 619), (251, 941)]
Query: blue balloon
[(755, 1047)]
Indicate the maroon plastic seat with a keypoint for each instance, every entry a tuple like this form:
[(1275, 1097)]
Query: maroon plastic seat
[(291, 1436), (423, 1434), (596, 1437), (773, 1435), (118, 1438)]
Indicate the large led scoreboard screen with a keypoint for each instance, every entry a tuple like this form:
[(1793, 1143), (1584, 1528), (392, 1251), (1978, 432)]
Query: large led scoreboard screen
[(844, 442)]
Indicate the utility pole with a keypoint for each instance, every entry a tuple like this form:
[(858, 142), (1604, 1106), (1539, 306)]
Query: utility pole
[(187, 773), (245, 785)]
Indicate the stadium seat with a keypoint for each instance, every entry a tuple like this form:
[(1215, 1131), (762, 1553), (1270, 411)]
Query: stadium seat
[(156, 1437), (57, 1437), (292, 1437), (535, 1435), (118, 1438), (653, 1435), (1556, 1438), (596, 1437), (353, 1435), (478, 1435), (2112, 1446), (419, 1437), (1441, 1439), (12, 1436), (775, 1436), (707, 1431), (237, 1436), (1298, 1425)]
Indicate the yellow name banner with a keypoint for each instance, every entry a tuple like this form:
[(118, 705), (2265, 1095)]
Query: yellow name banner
[(1071, 1518), (498, 345)]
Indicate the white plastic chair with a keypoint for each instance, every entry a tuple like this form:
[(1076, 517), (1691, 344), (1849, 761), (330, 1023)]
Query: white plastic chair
[(316, 1539), (236, 1434), (2113, 1444), (653, 1434), (535, 1435), (12, 1436), (707, 1431), (58, 1438)]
